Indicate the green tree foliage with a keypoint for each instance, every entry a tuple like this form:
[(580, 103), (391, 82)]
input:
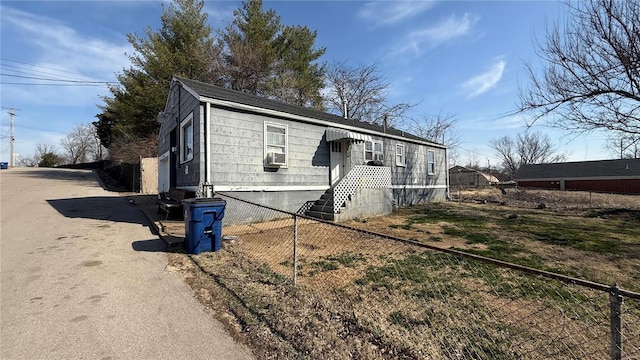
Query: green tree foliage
[(50, 159), (263, 57), (183, 46), (298, 79), (255, 54)]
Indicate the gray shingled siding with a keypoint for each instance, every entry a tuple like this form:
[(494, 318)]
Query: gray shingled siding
[(188, 173), (415, 171), (169, 124), (238, 155)]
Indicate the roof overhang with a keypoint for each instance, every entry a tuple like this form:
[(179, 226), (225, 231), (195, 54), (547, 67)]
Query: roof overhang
[(334, 134)]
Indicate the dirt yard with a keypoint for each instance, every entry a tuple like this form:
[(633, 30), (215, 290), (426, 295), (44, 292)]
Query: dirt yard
[(361, 296)]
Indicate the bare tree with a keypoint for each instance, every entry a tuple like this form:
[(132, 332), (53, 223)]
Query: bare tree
[(129, 148), (626, 146), (46, 155), (27, 161), (530, 148), (81, 144), (438, 128), (472, 159), (361, 93), (591, 78), (42, 151)]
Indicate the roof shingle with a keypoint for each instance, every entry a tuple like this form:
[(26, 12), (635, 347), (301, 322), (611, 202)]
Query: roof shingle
[(220, 93)]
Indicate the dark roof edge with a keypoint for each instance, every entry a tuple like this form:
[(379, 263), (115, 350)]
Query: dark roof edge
[(583, 162)]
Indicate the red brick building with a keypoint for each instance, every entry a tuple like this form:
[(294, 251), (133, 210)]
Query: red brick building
[(611, 176)]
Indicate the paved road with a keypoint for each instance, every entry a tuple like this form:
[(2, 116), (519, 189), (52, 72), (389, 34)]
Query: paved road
[(73, 285)]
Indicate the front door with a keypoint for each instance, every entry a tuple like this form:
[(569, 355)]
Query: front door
[(337, 161)]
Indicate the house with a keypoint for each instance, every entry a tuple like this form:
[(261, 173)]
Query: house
[(612, 176), (293, 158), (463, 176)]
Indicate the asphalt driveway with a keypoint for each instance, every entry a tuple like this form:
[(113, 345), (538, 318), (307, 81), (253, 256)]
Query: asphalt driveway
[(83, 277)]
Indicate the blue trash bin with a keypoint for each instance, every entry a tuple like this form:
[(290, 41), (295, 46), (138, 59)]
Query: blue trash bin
[(4, 165), (203, 224)]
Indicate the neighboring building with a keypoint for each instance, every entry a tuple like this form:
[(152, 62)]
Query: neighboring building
[(463, 176), (613, 176), (215, 139)]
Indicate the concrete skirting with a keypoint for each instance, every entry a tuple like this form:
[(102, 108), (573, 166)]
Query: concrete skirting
[(367, 202)]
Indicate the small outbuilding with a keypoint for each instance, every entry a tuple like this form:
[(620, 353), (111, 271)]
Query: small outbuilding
[(610, 176), (464, 176)]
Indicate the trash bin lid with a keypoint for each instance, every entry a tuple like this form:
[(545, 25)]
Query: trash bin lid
[(204, 201)]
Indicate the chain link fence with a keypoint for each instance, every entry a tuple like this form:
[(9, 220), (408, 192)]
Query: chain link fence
[(334, 292)]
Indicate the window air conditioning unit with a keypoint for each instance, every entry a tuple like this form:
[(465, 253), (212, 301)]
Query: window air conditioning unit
[(274, 158)]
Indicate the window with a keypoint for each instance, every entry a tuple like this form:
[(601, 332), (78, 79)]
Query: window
[(275, 144), (373, 151), (400, 160), (431, 162), (186, 139)]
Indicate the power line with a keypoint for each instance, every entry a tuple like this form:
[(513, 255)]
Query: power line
[(32, 72), (36, 84), (57, 71), (51, 79)]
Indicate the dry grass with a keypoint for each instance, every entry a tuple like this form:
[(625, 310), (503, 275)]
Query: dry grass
[(553, 199), (360, 296)]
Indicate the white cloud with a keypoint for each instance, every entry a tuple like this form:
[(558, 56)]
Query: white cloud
[(61, 52), (445, 31), (482, 83), (220, 14), (392, 12)]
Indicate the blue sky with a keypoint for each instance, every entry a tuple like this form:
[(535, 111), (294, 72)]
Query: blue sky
[(464, 58)]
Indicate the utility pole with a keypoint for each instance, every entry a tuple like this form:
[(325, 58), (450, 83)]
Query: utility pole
[(12, 114), (11, 137)]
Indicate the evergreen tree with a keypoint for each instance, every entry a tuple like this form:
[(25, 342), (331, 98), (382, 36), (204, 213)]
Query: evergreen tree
[(183, 46), (252, 41), (267, 59), (298, 79)]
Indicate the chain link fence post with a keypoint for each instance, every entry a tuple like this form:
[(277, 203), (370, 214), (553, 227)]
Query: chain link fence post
[(615, 303), (295, 249)]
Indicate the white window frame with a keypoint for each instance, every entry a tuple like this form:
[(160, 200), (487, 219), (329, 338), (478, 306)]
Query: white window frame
[(268, 124), (400, 158), (380, 154), (431, 162), (186, 153)]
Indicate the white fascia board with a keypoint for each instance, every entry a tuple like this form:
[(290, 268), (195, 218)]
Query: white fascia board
[(419, 186), (236, 105), (271, 188), (609, 178)]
